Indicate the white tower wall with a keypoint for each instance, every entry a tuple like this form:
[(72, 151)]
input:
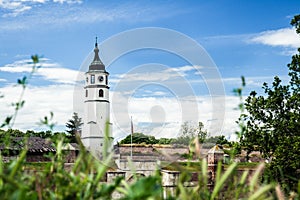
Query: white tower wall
[(96, 109)]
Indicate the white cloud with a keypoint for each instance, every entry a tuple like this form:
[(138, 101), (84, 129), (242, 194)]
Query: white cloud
[(49, 71), (17, 7), (161, 117), (158, 93), (59, 75), (68, 1), (147, 76), (41, 13), (153, 115), (285, 37), (39, 101), (187, 68), (14, 8), (159, 74)]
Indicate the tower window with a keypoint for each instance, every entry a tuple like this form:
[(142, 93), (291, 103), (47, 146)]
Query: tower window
[(100, 93), (92, 79), (106, 81), (86, 93)]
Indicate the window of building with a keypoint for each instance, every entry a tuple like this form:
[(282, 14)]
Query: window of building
[(100, 93), (106, 81), (92, 79), (86, 93)]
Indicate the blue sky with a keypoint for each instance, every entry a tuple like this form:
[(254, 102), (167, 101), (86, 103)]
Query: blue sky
[(250, 38)]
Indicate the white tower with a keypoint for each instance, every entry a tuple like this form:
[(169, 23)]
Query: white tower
[(96, 108)]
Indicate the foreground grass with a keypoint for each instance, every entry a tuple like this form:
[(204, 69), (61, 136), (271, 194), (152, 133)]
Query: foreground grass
[(84, 180)]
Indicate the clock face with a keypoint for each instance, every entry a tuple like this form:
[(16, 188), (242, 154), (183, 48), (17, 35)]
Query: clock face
[(100, 78)]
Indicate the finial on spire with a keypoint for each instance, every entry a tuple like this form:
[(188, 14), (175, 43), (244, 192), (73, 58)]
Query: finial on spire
[(96, 44)]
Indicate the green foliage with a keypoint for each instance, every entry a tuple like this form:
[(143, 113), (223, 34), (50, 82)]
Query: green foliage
[(212, 139), (23, 82), (221, 140), (166, 140), (74, 126), (273, 124), (6, 135), (85, 179), (227, 185), (48, 121), (189, 132), (143, 188), (236, 146), (139, 138), (81, 182)]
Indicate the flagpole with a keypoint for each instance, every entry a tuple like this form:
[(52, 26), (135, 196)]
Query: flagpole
[(131, 138)]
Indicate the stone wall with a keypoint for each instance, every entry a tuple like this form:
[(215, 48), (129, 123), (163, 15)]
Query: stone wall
[(152, 149), (37, 157), (112, 175), (145, 167)]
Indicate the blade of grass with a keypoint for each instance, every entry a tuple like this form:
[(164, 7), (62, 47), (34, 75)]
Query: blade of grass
[(183, 194), (243, 178), (220, 184), (263, 190), (1, 170), (279, 193), (254, 178), (18, 163), (204, 174), (241, 184), (102, 169), (219, 170)]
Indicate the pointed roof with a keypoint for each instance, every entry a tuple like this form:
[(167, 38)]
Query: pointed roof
[(215, 150), (97, 63)]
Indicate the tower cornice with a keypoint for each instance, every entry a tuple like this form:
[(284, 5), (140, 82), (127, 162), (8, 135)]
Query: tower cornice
[(96, 86), (96, 71), (97, 100)]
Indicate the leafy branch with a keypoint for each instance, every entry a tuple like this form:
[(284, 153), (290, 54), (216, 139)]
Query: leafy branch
[(48, 121), (23, 82)]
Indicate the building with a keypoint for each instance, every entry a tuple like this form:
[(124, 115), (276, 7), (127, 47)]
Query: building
[(38, 149), (96, 131)]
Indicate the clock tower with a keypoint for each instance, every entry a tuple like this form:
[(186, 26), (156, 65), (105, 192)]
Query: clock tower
[(97, 127)]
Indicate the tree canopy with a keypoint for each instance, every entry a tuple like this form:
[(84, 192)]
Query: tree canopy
[(139, 138), (190, 131), (6, 134), (74, 126), (187, 134), (273, 121)]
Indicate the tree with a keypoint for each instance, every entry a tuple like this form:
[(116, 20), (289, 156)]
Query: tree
[(273, 123), (222, 140), (201, 133), (189, 132), (139, 138), (165, 140), (74, 125)]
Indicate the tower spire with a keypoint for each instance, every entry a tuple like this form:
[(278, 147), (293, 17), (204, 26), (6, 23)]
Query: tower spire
[(96, 63)]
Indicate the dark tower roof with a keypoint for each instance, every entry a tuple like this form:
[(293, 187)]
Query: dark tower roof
[(97, 63)]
